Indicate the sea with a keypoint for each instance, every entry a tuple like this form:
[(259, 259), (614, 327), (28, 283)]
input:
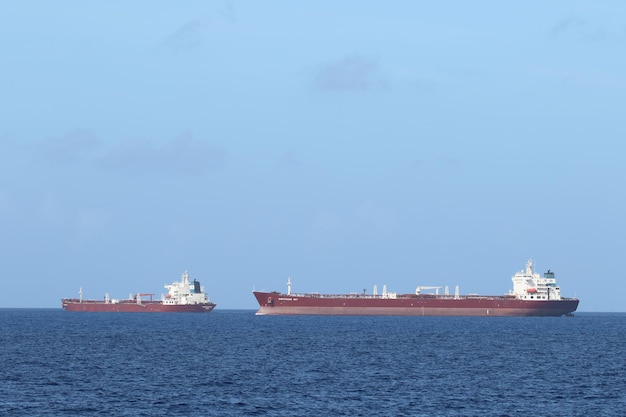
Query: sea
[(233, 363)]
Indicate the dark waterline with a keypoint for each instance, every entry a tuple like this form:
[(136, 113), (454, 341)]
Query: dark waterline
[(232, 363)]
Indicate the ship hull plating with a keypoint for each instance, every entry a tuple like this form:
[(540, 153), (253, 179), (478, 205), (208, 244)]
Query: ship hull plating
[(410, 305), (134, 307)]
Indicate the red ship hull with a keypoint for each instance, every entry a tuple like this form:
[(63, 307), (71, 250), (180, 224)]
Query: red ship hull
[(274, 303), (131, 306)]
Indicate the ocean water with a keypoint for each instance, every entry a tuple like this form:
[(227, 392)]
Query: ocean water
[(232, 363)]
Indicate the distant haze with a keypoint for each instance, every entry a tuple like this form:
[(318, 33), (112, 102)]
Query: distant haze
[(344, 144)]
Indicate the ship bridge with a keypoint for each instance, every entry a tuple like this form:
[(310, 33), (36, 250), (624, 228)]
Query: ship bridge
[(529, 285)]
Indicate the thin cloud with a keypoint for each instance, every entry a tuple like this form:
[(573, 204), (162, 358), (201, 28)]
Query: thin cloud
[(580, 29), (195, 34), (568, 24), (74, 147), (184, 155), (187, 37), (350, 74), (228, 12)]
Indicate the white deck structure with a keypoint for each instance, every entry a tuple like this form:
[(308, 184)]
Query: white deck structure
[(529, 285)]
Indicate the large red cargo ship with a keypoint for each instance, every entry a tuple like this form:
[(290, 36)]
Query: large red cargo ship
[(532, 295), (183, 297)]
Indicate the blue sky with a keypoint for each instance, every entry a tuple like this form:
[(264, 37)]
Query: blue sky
[(344, 144)]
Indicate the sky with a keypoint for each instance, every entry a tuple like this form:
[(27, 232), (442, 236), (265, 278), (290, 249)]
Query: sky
[(342, 144)]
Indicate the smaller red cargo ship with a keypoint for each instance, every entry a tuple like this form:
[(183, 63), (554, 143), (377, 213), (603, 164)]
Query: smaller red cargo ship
[(532, 295), (183, 297)]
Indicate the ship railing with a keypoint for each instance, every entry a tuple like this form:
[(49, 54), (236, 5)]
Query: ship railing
[(372, 296), (409, 295), (318, 295), (92, 301)]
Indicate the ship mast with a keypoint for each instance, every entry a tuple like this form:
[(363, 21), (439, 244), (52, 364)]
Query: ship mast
[(288, 285)]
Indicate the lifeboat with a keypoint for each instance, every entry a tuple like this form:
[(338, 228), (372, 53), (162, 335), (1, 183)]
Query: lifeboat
[(531, 290)]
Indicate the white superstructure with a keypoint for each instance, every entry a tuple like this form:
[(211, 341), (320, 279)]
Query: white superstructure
[(185, 292), (529, 285)]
